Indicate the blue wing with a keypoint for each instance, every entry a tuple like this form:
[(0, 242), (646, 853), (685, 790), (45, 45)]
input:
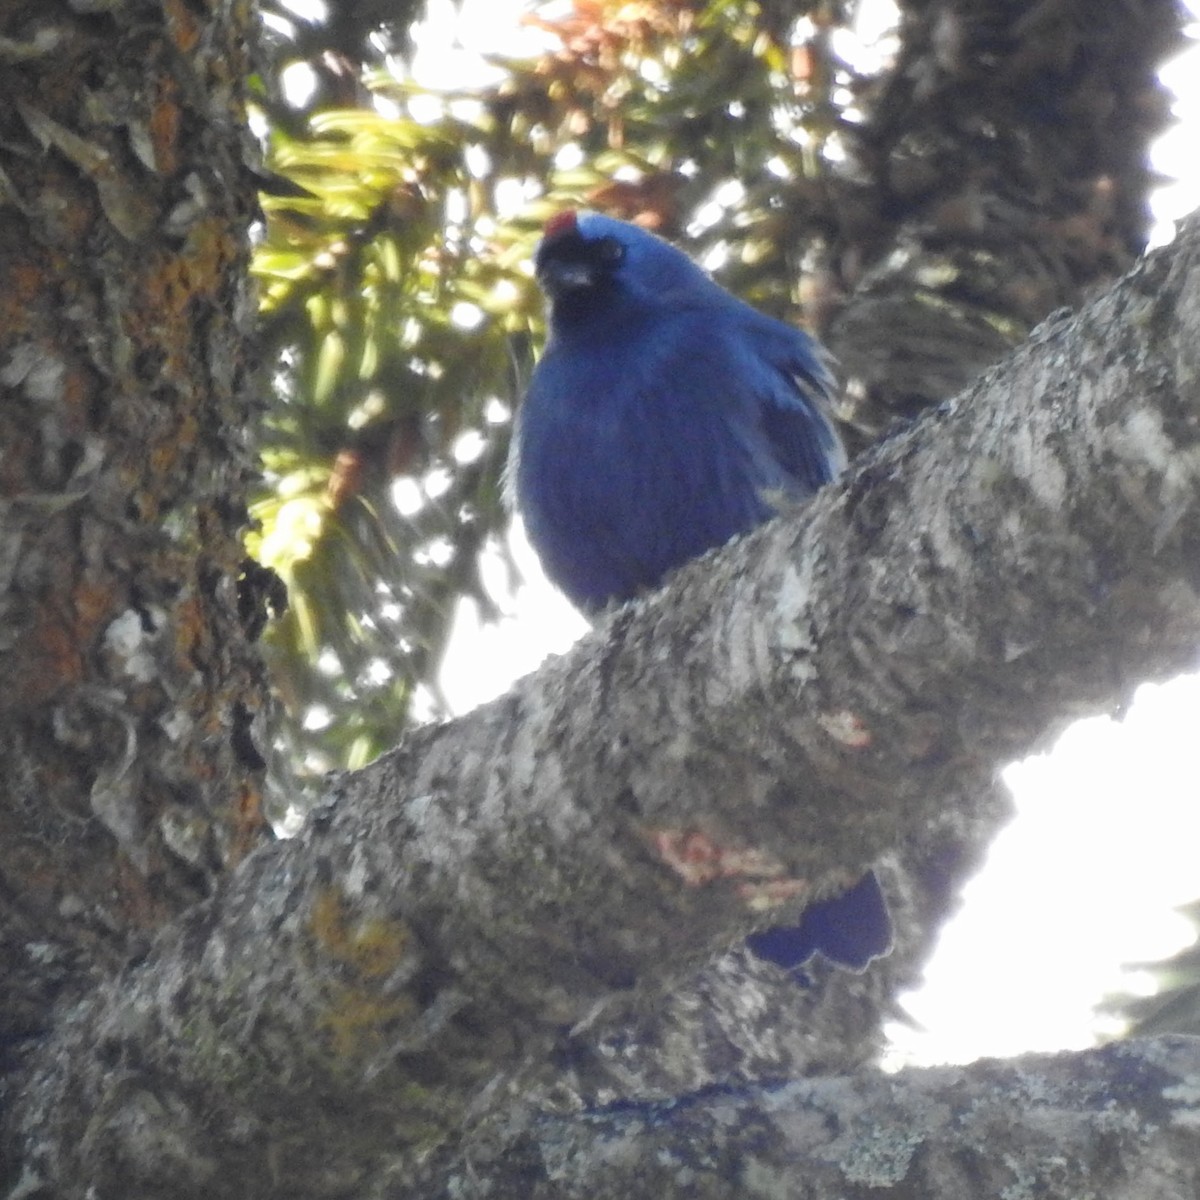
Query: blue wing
[(794, 388), (850, 929)]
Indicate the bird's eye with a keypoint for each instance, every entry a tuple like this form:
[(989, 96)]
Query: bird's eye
[(609, 252)]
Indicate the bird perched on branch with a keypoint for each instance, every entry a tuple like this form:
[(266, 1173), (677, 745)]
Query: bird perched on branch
[(665, 417)]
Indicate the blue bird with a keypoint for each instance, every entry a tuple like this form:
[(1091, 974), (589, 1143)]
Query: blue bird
[(665, 417)]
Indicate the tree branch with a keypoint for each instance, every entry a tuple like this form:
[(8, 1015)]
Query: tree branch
[(1119, 1122), (786, 712)]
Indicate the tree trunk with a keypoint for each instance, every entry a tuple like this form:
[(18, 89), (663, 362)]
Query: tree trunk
[(128, 770), (999, 172)]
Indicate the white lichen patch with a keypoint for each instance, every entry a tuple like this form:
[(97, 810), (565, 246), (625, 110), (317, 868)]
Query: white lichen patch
[(1186, 1096), (38, 374), (1035, 464), (1142, 438), (791, 617), (129, 640), (881, 1158)]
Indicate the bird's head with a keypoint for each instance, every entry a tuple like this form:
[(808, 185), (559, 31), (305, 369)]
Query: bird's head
[(586, 261)]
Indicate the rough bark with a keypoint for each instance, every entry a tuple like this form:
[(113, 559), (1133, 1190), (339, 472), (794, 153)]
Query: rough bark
[(128, 774), (789, 710), (1122, 1122)]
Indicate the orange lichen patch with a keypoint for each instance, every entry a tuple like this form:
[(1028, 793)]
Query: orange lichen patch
[(165, 119), (359, 1013), (184, 27), (189, 626), (160, 322), (146, 503), (210, 248), (54, 657), (172, 283), (165, 453), (23, 282), (357, 1020), (372, 946), (94, 605), (54, 660), (249, 822)]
